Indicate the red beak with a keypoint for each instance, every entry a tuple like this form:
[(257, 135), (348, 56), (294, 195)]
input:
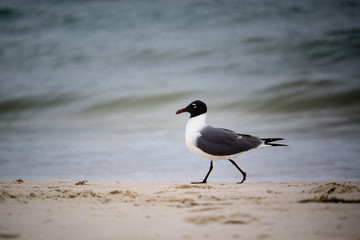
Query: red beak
[(181, 111)]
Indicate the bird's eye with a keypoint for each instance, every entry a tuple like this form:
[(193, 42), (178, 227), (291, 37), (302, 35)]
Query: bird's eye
[(194, 105)]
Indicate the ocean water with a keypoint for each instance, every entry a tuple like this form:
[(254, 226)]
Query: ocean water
[(89, 89)]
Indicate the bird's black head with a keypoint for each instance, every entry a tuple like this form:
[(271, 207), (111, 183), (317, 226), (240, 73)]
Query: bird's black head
[(195, 108)]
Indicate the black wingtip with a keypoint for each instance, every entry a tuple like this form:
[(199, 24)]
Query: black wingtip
[(268, 141), (276, 144)]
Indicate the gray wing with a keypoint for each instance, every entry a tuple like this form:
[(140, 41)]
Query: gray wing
[(222, 142)]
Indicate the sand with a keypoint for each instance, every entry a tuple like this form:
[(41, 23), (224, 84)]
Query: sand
[(60, 209)]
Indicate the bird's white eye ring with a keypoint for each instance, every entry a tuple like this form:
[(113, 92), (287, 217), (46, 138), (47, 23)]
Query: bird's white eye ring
[(194, 105)]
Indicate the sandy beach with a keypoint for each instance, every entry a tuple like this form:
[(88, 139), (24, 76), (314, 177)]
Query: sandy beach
[(64, 209)]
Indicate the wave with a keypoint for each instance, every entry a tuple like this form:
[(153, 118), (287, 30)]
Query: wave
[(304, 96), (335, 46), (135, 102), (8, 14), (34, 103)]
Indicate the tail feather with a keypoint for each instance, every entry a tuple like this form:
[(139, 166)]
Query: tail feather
[(268, 141)]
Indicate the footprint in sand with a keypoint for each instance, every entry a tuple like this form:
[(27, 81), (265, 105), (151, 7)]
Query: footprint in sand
[(238, 218)]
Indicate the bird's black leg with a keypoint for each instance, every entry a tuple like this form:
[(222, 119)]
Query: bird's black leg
[(207, 175), (242, 172)]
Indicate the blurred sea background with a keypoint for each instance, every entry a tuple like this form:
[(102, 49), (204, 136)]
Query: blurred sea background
[(89, 89)]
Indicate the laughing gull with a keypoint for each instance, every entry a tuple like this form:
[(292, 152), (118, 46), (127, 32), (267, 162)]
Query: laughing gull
[(218, 143)]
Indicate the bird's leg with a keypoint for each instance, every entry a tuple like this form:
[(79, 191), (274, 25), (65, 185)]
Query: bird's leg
[(207, 175), (242, 172)]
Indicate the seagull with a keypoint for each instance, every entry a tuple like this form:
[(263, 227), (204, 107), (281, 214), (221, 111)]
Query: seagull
[(218, 143)]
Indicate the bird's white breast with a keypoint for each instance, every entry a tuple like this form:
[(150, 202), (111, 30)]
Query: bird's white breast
[(193, 128)]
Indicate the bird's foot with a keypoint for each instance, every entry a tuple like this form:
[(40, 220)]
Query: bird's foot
[(198, 182), (244, 178)]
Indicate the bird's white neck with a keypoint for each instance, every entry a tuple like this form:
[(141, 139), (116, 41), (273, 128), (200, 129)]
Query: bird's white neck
[(194, 125), (193, 128)]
